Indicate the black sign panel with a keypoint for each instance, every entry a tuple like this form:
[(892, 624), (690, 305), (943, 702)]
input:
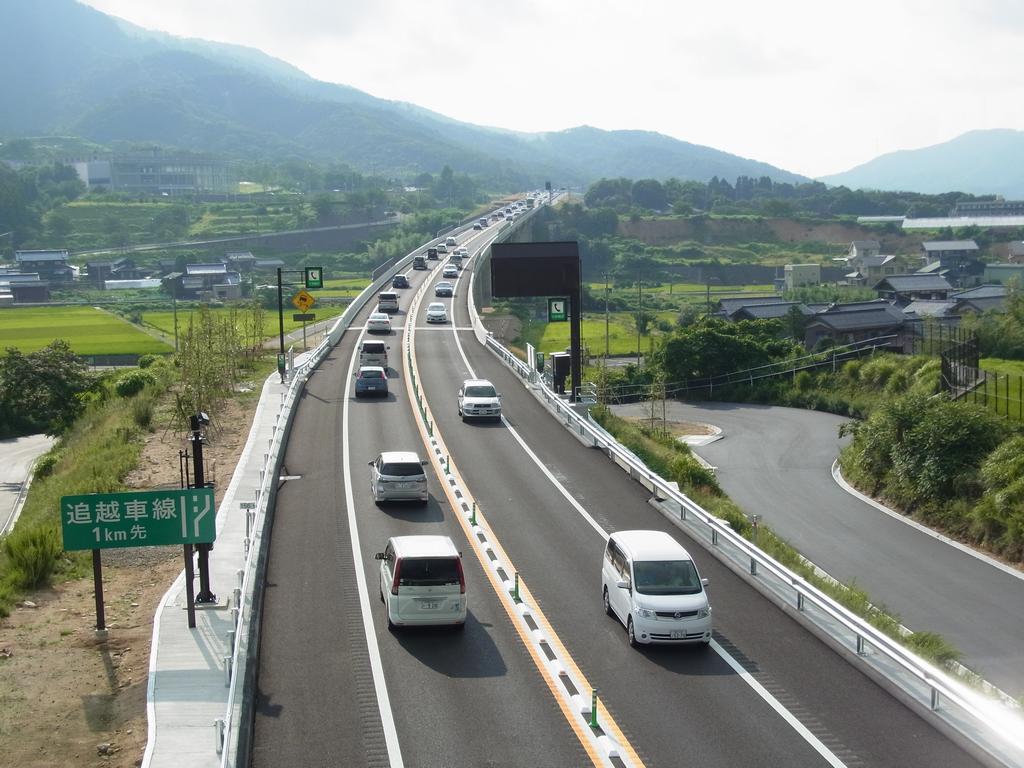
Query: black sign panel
[(304, 317), (535, 269)]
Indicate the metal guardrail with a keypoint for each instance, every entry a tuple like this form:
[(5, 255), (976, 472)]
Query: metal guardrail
[(237, 723), (978, 721)]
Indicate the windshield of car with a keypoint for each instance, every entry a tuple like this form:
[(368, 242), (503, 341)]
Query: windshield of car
[(428, 571), (665, 577), (481, 390), (436, 307), (380, 316), (371, 374), (402, 469)]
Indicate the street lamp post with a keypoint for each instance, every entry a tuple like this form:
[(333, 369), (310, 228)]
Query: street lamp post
[(606, 346), (640, 315)]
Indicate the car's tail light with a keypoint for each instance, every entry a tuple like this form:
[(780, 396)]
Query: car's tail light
[(462, 577), (394, 581)]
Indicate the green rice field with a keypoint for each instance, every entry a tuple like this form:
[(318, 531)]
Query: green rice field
[(346, 287), (554, 337), (89, 331), (164, 321)]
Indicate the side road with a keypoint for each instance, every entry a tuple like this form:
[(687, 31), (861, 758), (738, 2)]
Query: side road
[(777, 462)]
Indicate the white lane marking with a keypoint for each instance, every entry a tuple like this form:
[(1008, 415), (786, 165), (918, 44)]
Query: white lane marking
[(837, 475), (774, 703), (387, 718)]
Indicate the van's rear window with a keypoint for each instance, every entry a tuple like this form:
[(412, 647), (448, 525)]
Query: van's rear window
[(374, 348), (428, 571), (396, 469)]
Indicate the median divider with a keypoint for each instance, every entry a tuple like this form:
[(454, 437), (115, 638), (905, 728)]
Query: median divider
[(604, 742)]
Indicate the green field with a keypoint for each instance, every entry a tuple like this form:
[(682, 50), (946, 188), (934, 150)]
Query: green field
[(347, 287), (87, 330), (164, 321), (554, 337), (1008, 399)]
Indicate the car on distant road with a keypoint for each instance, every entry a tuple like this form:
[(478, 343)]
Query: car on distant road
[(422, 582), (451, 242), (400, 281), (450, 270), (437, 312), (444, 288), (419, 262), (398, 476), (432, 253), (371, 380), (477, 226), (378, 322), (387, 301), (442, 248), (478, 399)]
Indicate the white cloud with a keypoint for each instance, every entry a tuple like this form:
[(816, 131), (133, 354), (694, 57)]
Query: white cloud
[(810, 86)]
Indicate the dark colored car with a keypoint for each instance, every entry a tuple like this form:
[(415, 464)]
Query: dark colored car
[(371, 380), (400, 281), (444, 288), (431, 253)]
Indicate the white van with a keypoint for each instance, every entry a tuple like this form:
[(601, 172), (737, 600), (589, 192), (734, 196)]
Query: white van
[(451, 242), (650, 584), (422, 582), (373, 353)]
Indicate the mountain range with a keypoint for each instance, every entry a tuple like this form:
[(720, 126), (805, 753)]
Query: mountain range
[(91, 75), (979, 162), (83, 73)]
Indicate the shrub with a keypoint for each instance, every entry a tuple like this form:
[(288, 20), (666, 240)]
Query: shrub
[(933, 646), (45, 465), (147, 360), (142, 409), (133, 382), (33, 554)]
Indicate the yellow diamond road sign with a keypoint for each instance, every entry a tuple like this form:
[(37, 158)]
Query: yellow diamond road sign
[(303, 300)]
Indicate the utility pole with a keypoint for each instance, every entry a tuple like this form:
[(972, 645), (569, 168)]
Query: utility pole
[(640, 315), (606, 316)]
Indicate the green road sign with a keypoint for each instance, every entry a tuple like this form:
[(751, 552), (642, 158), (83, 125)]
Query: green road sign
[(557, 310), (314, 277), (138, 519)]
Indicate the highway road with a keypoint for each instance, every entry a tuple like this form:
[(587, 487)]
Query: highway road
[(17, 455), (336, 687), (777, 462)]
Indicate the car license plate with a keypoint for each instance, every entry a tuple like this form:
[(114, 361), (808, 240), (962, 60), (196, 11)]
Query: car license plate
[(678, 634), (371, 388), (428, 605), (406, 485)]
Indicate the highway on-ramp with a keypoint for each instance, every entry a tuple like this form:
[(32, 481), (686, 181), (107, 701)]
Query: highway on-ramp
[(777, 462)]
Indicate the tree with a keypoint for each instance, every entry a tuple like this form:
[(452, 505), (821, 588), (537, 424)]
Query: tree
[(41, 391), (58, 226), (648, 193)]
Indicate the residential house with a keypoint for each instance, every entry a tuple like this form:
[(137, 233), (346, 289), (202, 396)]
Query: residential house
[(1016, 252), (861, 321), (868, 270), (858, 249), (949, 252), (725, 308), (99, 272), (52, 266), (209, 281), (241, 261), (983, 298), (267, 265), (774, 311), (796, 275), (1004, 273), (23, 288), (904, 289)]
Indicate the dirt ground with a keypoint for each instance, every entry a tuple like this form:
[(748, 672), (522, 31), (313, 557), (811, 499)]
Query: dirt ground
[(67, 699)]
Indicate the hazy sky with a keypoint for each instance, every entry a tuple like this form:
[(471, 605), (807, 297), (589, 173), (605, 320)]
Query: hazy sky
[(812, 87)]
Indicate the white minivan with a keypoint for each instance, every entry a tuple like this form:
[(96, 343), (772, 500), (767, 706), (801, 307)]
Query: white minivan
[(650, 584), (422, 582)]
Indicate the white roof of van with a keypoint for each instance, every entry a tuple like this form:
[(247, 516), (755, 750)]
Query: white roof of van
[(424, 546), (650, 545), (399, 457)]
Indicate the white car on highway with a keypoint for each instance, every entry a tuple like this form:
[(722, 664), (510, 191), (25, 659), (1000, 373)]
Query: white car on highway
[(437, 312), (422, 582), (650, 584), (478, 399), (378, 322), (450, 270)]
